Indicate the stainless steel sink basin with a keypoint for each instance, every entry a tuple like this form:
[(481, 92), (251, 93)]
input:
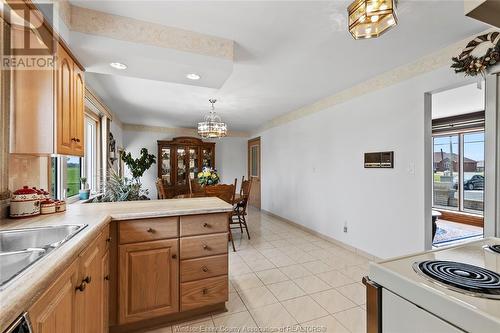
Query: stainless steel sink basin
[(43, 237), (20, 248), (13, 263)]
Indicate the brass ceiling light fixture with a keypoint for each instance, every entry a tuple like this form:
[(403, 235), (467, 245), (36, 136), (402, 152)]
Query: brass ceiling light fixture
[(212, 126), (371, 18)]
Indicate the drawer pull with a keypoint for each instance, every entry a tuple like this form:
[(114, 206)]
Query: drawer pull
[(108, 239), (151, 230), (206, 225), (205, 247), (106, 278), (204, 268), (205, 291), (81, 287), (174, 256), (87, 279)]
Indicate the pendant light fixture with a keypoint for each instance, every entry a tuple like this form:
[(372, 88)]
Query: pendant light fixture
[(212, 126), (371, 18)]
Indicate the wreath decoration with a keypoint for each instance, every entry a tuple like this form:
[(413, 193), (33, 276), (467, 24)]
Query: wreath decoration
[(480, 53)]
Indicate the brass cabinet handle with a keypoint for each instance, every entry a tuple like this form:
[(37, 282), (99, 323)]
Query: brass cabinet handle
[(205, 291), (81, 287), (106, 278), (77, 140), (205, 246), (108, 239), (204, 268), (150, 230), (87, 279), (73, 139), (206, 225), (174, 256)]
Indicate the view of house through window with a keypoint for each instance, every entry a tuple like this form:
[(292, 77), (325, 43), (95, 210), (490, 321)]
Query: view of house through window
[(459, 172)]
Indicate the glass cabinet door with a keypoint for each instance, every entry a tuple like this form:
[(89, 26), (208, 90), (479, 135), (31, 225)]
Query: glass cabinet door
[(166, 158), (207, 157), (193, 163), (182, 167)]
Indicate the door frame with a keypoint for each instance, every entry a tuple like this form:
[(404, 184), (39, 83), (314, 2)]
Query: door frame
[(252, 142)]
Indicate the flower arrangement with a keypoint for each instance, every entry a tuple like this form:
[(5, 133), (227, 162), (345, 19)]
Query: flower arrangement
[(208, 176)]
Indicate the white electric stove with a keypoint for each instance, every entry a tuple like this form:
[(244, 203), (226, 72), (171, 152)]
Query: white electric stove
[(453, 289)]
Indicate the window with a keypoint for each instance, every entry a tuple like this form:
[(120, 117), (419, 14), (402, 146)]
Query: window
[(91, 154), (459, 171), (66, 171)]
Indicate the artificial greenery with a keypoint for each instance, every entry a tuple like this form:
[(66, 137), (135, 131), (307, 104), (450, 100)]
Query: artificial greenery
[(472, 65), (138, 166), (121, 189)]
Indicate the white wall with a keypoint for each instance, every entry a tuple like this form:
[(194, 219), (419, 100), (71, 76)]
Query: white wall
[(459, 100), (230, 156), (312, 168)]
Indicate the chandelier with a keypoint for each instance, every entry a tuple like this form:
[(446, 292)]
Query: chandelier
[(371, 18), (212, 126)]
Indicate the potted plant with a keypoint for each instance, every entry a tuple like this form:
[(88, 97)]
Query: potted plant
[(208, 176), (84, 193)]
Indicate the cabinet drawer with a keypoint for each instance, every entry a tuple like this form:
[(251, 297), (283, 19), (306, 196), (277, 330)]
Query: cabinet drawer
[(200, 293), (147, 229), (203, 246), (202, 268), (203, 224)]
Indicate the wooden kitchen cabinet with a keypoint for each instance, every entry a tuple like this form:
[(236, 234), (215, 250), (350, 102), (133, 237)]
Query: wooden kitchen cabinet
[(148, 280), (48, 104), (91, 290), (55, 311)]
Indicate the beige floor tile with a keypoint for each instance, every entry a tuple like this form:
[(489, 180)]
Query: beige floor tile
[(272, 317), (304, 309), (353, 319), (311, 284), (269, 253), (195, 326), (271, 276), (239, 268), (333, 301), (317, 267), (160, 330), (235, 322), (335, 278), (326, 324), (246, 281), (356, 292), (285, 290), (295, 271), (257, 297), (355, 272), (281, 261), (233, 305), (260, 265)]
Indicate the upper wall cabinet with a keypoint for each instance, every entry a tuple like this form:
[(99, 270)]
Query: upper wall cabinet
[(47, 113)]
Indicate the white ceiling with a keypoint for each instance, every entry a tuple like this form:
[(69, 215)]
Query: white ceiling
[(287, 55)]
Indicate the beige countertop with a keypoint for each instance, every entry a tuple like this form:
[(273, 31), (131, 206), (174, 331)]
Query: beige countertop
[(19, 294)]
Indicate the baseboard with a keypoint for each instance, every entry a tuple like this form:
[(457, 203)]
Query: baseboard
[(348, 247)]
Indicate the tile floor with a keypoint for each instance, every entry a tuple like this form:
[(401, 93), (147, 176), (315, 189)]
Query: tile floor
[(287, 278)]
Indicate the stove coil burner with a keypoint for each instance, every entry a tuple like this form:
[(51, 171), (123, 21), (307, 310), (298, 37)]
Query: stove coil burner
[(473, 280), (494, 248)]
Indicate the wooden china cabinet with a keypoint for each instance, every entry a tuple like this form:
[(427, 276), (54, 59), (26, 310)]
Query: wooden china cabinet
[(180, 160)]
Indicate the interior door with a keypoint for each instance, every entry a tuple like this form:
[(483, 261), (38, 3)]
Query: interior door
[(254, 168)]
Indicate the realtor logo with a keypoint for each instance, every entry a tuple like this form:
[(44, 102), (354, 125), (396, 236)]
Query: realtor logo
[(27, 43)]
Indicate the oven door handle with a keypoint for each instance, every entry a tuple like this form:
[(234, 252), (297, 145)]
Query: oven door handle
[(373, 306)]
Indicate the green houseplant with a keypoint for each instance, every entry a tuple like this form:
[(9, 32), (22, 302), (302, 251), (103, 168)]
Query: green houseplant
[(138, 166), (84, 192)]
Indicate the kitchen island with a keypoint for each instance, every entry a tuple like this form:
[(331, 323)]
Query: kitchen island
[(133, 240)]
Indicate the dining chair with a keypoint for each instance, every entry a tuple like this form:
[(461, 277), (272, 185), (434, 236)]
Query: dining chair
[(242, 181), (227, 193), (195, 187), (160, 188), (239, 213)]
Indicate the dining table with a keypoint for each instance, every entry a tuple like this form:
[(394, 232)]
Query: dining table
[(237, 196)]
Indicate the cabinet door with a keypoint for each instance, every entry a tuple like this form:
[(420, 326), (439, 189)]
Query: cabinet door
[(91, 278), (78, 112), (148, 285), (105, 291), (64, 103), (55, 311)]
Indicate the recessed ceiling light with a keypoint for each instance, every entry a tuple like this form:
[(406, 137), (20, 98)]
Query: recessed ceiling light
[(118, 65), (193, 76)]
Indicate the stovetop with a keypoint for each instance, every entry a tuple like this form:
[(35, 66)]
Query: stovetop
[(460, 277), (457, 283)]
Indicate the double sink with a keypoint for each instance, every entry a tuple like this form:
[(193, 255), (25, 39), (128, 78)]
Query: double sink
[(20, 248)]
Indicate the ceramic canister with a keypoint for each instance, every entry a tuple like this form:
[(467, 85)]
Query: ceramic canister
[(48, 207), (25, 202), (60, 206)]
